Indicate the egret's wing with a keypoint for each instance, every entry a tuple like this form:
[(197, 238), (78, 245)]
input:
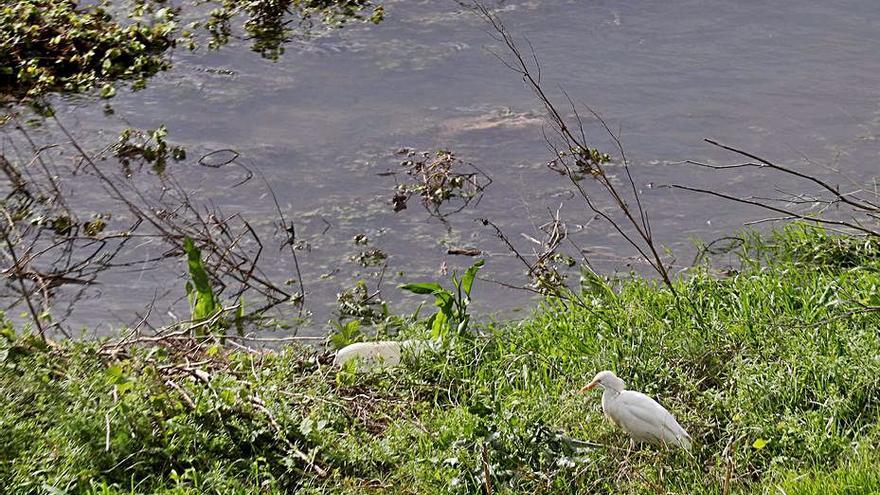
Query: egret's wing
[(653, 419), (634, 421)]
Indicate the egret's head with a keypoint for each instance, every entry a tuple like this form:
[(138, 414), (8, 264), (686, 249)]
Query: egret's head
[(606, 380)]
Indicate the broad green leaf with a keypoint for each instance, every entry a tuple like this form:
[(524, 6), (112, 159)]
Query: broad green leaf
[(760, 443), (443, 299), (346, 334), (205, 304), (467, 280), (440, 325), (424, 288), (429, 322)]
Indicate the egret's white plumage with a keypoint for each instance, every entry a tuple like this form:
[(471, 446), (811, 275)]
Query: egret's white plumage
[(641, 416), (379, 354)]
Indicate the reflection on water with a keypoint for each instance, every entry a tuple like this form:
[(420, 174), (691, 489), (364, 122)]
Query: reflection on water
[(794, 80)]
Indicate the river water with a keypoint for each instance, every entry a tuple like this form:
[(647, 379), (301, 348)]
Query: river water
[(793, 80)]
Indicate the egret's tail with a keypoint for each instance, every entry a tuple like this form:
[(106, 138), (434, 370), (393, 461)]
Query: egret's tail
[(684, 441)]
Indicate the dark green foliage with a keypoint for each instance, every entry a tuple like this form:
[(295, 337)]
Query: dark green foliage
[(346, 334), (57, 45), (146, 147), (360, 303), (71, 46), (271, 23), (453, 313)]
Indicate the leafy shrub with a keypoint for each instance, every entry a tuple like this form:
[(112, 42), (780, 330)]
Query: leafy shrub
[(55, 45)]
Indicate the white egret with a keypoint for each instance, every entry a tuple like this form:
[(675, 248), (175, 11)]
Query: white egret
[(379, 354), (641, 416)]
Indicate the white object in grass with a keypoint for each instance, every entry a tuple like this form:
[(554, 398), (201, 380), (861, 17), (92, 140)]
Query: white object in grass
[(379, 354), (639, 415)]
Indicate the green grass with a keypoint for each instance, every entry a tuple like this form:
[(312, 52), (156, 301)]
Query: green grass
[(858, 478), (781, 351)]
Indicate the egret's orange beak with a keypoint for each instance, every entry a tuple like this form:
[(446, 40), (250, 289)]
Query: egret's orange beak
[(589, 386)]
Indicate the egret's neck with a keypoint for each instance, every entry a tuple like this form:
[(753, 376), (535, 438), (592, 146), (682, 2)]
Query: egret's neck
[(608, 396), (610, 393)]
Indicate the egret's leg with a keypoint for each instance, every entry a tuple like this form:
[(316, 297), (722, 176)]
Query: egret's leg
[(629, 451), (659, 465)]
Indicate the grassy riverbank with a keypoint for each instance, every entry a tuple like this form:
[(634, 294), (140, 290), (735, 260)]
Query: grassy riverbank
[(773, 368)]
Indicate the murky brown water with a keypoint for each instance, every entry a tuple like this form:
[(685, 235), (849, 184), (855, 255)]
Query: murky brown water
[(794, 80)]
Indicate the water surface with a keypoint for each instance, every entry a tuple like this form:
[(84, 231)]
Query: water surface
[(793, 80)]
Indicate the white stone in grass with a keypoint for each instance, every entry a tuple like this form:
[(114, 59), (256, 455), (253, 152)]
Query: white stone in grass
[(380, 354)]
